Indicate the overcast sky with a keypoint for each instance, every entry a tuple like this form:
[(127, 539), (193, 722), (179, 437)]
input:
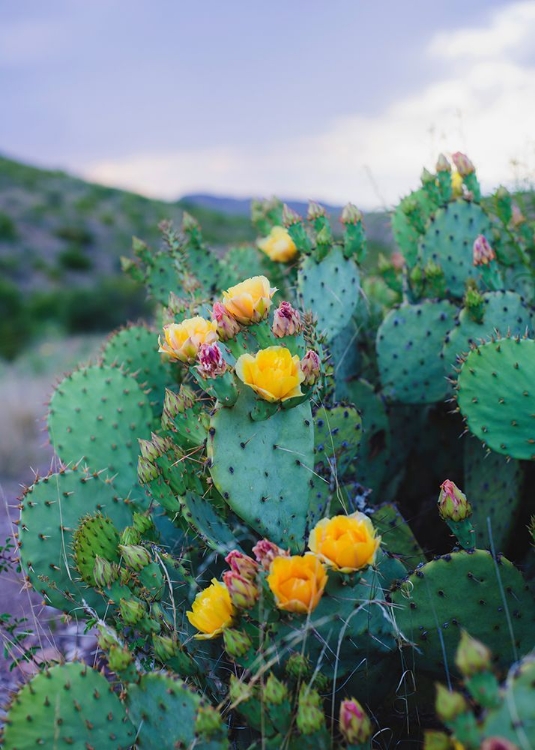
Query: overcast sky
[(336, 101)]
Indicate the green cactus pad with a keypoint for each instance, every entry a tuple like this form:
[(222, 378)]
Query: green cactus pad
[(264, 470), (68, 705), (164, 711), (464, 590), (51, 511), (135, 350), (97, 415), (515, 719), (449, 241), (330, 289), (504, 312), (337, 434), (409, 352), (496, 396), (397, 536), (163, 275), (201, 515), (492, 484)]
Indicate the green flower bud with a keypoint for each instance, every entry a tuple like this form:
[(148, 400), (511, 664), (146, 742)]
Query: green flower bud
[(350, 215), (142, 523), (275, 691), (119, 658), (434, 740), (146, 470), (188, 222), (298, 667), (237, 643), (442, 164), (208, 721), (130, 535), (315, 211), (132, 611), (104, 572), (106, 638), (134, 556), (472, 656), (310, 715), (449, 704), (289, 216), (164, 646)]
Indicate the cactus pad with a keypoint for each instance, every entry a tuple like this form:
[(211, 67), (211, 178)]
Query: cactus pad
[(449, 241), (264, 470), (496, 396), (51, 511), (330, 289), (409, 352), (70, 704), (97, 415), (458, 590)]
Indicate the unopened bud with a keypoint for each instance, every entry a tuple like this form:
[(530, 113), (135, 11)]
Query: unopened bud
[(462, 163), (106, 637), (275, 691), (434, 740), (310, 715), (130, 535), (242, 564), (310, 367), (189, 222), (266, 551), (315, 211), (498, 743), (142, 523), (449, 704), (452, 503), (237, 643), (119, 658), (148, 450), (165, 647), (289, 216), (472, 656), (211, 362), (483, 252), (355, 724), (286, 321), (146, 470), (227, 326), (298, 667), (134, 556), (397, 259), (426, 177), (350, 214), (442, 164), (208, 721), (243, 592), (104, 572), (132, 611)]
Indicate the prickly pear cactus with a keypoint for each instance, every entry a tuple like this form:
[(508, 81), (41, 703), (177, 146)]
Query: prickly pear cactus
[(70, 704)]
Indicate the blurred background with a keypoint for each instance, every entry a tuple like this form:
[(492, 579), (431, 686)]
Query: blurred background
[(118, 114)]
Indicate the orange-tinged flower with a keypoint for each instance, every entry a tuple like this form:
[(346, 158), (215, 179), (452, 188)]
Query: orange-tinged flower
[(272, 373), (278, 245), (297, 582), (249, 301), (183, 340), (212, 611), (346, 543)]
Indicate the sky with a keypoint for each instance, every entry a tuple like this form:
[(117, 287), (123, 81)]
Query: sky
[(334, 101)]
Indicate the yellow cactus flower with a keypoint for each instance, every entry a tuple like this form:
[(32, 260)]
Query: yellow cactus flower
[(278, 245), (272, 373), (212, 611), (249, 301), (346, 543), (456, 184), (182, 341), (297, 582)]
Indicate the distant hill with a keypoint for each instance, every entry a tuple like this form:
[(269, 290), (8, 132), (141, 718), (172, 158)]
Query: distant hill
[(61, 240)]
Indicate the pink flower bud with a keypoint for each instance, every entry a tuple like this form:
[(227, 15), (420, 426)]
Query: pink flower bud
[(243, 592), (518, 217), (397, 259), (265, 552), (211, 362), (242, 564), (463, 164), (452, 503), (310, 367), (286, 321), (483, 253), (227, 326), (355, 724)]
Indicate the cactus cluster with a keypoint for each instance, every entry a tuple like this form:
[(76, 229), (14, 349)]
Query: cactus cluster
[(246, 502)]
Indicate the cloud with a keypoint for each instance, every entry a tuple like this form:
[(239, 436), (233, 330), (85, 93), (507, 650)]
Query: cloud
[(484, 106)]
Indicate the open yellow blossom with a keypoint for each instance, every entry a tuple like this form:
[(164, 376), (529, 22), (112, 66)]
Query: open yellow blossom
[(249, 301), (297, 582), (272, 373), (278, 245), (346, 543), (212, 611), (456, 184), (183, 340)]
